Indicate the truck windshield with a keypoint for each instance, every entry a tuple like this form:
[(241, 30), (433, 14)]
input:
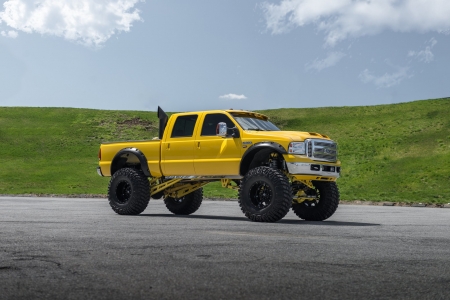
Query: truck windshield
[(251, 123)]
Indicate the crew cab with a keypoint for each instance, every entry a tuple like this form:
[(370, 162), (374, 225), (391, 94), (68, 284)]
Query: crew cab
[(272, 170)]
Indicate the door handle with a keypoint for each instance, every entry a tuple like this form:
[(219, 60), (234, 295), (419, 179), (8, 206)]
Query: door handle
[(198, 145)]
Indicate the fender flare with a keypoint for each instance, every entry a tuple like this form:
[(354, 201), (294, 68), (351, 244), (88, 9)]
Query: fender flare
[(252, 150), (116, 163)]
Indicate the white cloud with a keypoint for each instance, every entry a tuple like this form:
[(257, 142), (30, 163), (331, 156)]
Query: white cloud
[(88, 22), (233, 97), (340, 19), (332, 59), (11, 34), (386, 80), (424, 55)]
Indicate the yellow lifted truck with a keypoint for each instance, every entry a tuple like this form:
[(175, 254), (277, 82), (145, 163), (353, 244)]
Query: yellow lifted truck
[(273, 170)]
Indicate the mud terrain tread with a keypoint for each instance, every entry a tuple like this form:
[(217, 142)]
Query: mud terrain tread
[(280, 203), (140, 191), (190, 203), (325, 208)]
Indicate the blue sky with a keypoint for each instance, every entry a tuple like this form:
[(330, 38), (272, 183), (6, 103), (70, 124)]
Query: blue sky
[(196, 55)]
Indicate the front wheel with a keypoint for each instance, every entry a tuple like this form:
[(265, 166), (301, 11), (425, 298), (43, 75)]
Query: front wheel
[(265, 195), (323, 206), (129, 191), (185, 205)]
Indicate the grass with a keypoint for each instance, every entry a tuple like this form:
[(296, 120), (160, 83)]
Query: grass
[(397, 152), (54, 150)]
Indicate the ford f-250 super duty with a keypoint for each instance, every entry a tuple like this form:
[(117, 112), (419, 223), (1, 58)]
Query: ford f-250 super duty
[(272, 170)]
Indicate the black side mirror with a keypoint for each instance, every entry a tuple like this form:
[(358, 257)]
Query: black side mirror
[(234, 132), (223, 131)]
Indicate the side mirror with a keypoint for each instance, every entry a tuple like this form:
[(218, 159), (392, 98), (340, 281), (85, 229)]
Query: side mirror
[(222, 130)]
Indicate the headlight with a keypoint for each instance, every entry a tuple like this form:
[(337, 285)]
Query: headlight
[(297, 148)]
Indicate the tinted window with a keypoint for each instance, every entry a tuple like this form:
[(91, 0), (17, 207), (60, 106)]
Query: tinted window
[(184, 126), (210, 123), (250, 123)]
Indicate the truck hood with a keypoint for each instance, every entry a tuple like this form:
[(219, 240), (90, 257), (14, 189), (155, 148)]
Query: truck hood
[(288, 135)]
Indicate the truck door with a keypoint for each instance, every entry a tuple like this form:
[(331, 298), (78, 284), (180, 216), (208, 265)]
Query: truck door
[(177, 149), (214, 155)]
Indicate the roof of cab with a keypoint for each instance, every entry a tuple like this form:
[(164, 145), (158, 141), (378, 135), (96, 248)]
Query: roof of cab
[(248, 113), (239, 112)]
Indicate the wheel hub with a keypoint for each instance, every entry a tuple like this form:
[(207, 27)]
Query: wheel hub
[(123, 192), (260, 194)]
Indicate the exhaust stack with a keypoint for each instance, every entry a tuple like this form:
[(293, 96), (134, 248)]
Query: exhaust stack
[(163, 118)]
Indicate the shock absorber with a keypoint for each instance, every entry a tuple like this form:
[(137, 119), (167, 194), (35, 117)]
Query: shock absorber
[(273, 161)]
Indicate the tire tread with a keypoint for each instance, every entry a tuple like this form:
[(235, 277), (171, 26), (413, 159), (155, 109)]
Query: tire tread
[(140, 196), (282, 200), (327, 205), (191, 203)]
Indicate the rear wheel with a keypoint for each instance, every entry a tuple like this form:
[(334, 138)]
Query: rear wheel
[(265, 195), (185, 205), (323, 206), (129, 191)]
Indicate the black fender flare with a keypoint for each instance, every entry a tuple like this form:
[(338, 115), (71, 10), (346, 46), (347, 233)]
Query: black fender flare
[(121, 158), (255, 148)]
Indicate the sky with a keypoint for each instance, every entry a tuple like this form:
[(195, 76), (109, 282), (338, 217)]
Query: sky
[(215, 54)]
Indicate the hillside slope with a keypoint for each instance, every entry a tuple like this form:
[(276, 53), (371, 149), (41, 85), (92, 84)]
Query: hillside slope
[(54, 150), (398, 152)]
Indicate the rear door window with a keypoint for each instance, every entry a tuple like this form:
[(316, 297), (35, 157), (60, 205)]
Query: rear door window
[(184, 126)]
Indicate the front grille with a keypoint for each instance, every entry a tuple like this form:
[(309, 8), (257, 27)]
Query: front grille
[(322, 150)]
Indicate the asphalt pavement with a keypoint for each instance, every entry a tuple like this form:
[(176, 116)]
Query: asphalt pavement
[(53, 248)]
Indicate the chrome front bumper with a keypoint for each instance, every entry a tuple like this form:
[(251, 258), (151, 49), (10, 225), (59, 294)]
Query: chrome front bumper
[(99, 171), (298, 168)]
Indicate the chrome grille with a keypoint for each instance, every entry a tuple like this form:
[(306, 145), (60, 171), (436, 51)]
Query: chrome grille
[(322, 150)]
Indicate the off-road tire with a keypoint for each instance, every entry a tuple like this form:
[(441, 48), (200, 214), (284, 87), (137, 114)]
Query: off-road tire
[(265, 195), (325, 206), (129, 191), (185, 205)]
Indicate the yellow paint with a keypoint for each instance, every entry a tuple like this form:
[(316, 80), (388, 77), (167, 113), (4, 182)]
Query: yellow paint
[(306, 179), (208, 155), (181, 190)]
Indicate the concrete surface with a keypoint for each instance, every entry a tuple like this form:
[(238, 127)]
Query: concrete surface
[(80, 249)]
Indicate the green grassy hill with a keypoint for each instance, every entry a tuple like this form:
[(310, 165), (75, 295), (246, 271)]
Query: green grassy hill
[(398, 152)]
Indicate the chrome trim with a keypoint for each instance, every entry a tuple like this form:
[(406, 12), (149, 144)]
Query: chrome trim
[(99, 171), (298, 168), (321, 150)]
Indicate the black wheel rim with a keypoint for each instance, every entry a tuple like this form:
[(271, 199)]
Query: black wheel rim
[(123, 192), (178, 200), (312, 202), (260, 194)]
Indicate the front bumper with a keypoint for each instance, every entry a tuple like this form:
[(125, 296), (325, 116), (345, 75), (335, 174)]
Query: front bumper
[(300, 168)]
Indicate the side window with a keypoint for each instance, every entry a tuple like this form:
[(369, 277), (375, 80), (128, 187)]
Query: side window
[(210, 123), (184, 126)]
